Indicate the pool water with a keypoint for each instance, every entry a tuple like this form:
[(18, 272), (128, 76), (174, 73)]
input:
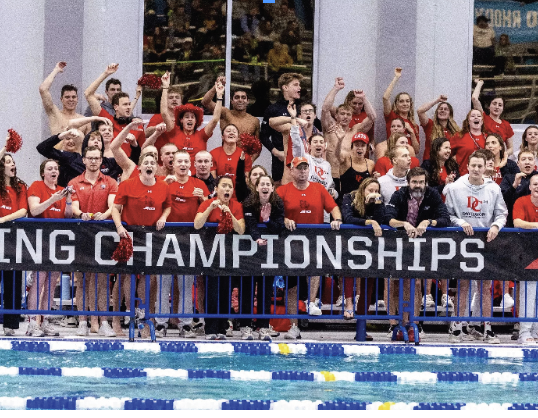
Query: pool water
[(213, 388)]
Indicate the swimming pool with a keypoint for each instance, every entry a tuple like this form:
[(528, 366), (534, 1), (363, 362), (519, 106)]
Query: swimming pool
[(196, 375)]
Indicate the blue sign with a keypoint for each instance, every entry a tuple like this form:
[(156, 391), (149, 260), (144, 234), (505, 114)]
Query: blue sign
[(518, 20)]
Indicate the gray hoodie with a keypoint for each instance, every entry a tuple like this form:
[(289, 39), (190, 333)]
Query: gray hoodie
[(389, 183), (480, 206)]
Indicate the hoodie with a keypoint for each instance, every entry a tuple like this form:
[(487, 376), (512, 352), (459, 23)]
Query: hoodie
[(389, 184), (480, 206)]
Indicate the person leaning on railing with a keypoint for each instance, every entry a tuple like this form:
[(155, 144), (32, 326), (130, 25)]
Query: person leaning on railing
[(13, 197)]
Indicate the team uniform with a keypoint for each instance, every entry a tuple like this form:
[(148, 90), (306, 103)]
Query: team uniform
[(41, 190), (504, 129), (306, 206), (391, 116), (165, 137), (191, 143), (93, 198), (428, 130), (226, 165), (464, 146), (117, 128), (184, 204), (384, 164)]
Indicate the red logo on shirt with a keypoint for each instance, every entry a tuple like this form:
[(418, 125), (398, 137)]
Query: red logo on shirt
[(320, 172), (228, 169), (473, 203), (359, 178)]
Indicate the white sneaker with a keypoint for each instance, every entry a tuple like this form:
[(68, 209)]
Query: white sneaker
[(444, 300), (69, 322), (474, 334), (34, 330), (105, 330), (246, 334), (49, 330), (313, 309), (8, 332), (272, 331), (127, 317), (187, 332), (507, 301), (293, 334), (264, 334), (455, 337), (82, 330), (338, 301), (490, 337), (430, 303), (230, 329), (380, 304)]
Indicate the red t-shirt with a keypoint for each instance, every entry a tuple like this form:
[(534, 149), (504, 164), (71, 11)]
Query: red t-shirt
[(41, 190), (235, 207), (358, 119), (525, 210), (184, 204), (117, 128), (504, 129), (93, 198), (192, 144), (391, 116), (13, 201), (165, 137), (142, 205), (428, 128), (463, 147), (306, 206), (383, 165), (225, 164)]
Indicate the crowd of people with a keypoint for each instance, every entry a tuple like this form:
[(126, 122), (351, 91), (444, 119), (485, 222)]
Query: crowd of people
[(111, 165)]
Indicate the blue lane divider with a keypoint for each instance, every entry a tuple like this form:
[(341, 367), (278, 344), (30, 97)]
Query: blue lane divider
[(55, 402), (123, 373), (438, 406), (376, 377), (342, 405), (242, 405), (204, 374), (32, 346), (40, 371), (178, 347), (528, 377), (523, 407), (397, 349), (103, 346), (138, 404), (252, 348), (324, 349), (470, 352), (530, 355), (291, 375), (457, 377)]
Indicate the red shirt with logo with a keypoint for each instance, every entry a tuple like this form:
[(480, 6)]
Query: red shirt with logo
[(383, 165), (355, 119), (463, 147), (525, 210), (13, 201), (93, 198), (391, 116), (192, 143), (184, 204), (225, 164), (235, 207), (117, 128), (428, 129), (142, 205), (306, 206), (165, 137), (504, 129), (41, 190)]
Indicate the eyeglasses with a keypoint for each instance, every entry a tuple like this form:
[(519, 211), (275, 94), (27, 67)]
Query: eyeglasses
[(93, 159)]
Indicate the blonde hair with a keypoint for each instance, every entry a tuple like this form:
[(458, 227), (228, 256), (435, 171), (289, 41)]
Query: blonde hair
[(451, 125), (359, 199), (411, 115)]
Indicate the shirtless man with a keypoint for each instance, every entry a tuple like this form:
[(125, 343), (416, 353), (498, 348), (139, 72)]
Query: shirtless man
[(59, 119), (341, 122)]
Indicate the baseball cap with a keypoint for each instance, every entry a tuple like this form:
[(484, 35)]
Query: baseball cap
[(360, 137), (298, 160)]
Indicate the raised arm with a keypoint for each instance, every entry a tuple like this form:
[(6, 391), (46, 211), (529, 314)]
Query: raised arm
[(326, 118), (78, 122), (414, 141), (296, 142), (44, 88), (421, 111), (340, 155), (92, 99), (387, 106), (210, 127), (115, 146), (475, 98), (158, 131), (207, 100), (37, 207), (137, 96), (168, 117), (367, 123)]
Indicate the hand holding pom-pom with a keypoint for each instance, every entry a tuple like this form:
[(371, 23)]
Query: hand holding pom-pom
[(250, 144), (151, 81), (225, 224), (14, 141), (124, 250)]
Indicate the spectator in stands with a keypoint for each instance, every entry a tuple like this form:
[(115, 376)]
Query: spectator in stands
[(260, 90), (282, 17), (246, 53), (178, 21), (59, 119), (142, 200), (471, 138), (473, 188), (278, 59), (526, 217), (401, 127), (401, 107), (159, 40), (354, 166), (46, 200), (188, 118), (265, 36), (416, 207), (203, 162), (112, 86), (356, 102), (384, 164), (250, 21), (245, 185), (514, 186), (483, 42), (502, 166), (14, 205), (266, 206), (442, 169), (443, 124), (304, 203), (290, 86), (529, 141), (93, 196), (291, 36), (363, 206), (504, 58), (493, 122), (217, 288), (209, 31)]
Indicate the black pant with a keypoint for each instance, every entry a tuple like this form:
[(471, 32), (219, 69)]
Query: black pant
[(264, 294), (218, 292), (11, 297)]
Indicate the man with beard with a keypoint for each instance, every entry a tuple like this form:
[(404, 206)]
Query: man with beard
[(414, 208), (473, 202), (122, 106)]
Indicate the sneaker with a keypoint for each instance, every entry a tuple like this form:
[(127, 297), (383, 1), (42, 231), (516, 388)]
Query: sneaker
[(474, 334), (338, 301), (34, 330), (82, 330), (105, 330), (272, 332), (221, 337), (455, 336), (160, 331), (140, 314), (507, 301), (491, 338), (421, 332), (69, 322), (515, 332), (8, 332), (199, 329), (293, 334), (211, 337), (246, 333), (444, 300), (430, 303), (264, 334), (313, 309), (49, 330), (380, 304), (127, 317), (187, 332), (230, 329), (390, 331), (526, 341)]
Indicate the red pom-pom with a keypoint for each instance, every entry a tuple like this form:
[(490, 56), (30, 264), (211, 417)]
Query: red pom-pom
[(124, 250), (14, 142), (250, 144), (151, 81), (225, 224)]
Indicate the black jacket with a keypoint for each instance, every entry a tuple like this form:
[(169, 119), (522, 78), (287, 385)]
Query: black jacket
[(426, 165), (275, 225), (510, 194), (375, 212), (432, 207)]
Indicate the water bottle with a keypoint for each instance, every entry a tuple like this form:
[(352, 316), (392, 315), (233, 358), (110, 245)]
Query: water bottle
[(279, 282)]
